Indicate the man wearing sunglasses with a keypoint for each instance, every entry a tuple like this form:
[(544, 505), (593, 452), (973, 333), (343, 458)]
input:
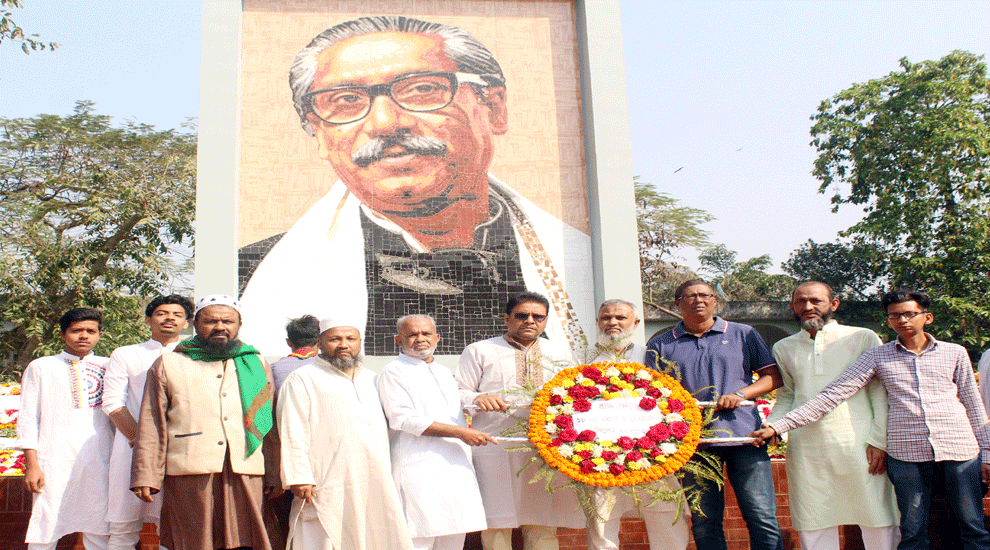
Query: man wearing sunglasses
[(490, 376), (406, 112), (935, 420)]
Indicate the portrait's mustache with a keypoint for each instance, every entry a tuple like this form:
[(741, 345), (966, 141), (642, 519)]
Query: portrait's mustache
[(374, 150)]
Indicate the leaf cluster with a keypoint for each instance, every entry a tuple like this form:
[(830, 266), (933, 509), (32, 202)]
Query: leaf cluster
[(746, 280), (94, 215), (9, 30), (664, 226), (854, 271), (913, 150)]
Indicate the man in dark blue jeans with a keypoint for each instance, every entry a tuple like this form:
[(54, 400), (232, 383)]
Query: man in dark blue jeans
[(716, 361), (935, 420)]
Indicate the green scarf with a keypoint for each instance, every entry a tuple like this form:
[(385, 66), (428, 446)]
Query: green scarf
[(256, 392)]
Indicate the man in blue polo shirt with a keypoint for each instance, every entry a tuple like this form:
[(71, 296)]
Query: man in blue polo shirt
[(716, 361)]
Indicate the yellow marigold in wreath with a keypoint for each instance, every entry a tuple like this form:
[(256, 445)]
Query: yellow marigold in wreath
[(665, 447)]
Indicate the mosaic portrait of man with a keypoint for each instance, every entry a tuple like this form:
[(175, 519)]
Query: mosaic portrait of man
[(405, 112)]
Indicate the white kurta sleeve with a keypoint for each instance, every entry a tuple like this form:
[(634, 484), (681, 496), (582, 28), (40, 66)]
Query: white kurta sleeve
[(877, 395), (115, 381), (399, 405), (785, 393), (984, 369), (468, 376), (295, 433), (29, 415)]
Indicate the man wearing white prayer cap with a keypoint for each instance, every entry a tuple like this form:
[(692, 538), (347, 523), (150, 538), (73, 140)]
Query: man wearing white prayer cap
[(335, 453)]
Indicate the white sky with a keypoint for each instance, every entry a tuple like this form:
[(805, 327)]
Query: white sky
[(720, 92)]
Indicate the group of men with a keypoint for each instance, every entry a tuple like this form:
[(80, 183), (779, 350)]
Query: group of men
[(207, 433)]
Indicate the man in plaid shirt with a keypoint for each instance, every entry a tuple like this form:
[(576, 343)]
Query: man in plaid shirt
[(935, 421)]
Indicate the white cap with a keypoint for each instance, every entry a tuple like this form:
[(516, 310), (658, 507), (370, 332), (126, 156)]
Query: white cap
[(328, 323), (218, 300)]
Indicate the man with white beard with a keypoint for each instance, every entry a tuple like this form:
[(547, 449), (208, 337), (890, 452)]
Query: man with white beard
[(431, 460), (616, 321), (335, 454)]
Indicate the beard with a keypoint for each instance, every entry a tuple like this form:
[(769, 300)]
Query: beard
[(816, 324), (615, 342), (342, 363), (421, 355), (221, 348)]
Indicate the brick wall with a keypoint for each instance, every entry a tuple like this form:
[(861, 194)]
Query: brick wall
[(15, 511)]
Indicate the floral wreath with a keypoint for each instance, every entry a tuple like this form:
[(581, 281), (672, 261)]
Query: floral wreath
[(586, 458)]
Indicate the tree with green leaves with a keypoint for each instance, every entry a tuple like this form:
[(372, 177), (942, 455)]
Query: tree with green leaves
[(855, 272), (746, 280), (664, 227), (94, 215), (9, 30), (913, 150)]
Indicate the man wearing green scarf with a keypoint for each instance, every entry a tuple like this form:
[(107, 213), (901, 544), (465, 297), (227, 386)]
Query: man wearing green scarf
[(206, 412)]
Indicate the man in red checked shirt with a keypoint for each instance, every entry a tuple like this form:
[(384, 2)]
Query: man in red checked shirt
[(935, 420)]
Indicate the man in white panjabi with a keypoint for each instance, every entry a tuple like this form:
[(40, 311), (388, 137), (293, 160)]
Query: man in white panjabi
[(123, 389), (489, 375), (616, 321), (335, 452), (431, 457), (66, 437), (835, 466)]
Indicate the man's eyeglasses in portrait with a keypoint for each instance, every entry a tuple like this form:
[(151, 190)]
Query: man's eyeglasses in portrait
[(418, 92)]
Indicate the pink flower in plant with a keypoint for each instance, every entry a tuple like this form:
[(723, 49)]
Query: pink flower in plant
[(655, 454), (625, 442), (587, 435), (647, 403), (592, 391), (641, 383), (679, 429), (587, 467), (568, 435), (582, 405), (563, 421), (584, 454), (633, 456), (609, 455), (556, 400), (555, 442), (616, 469), (675, 405), (653, 392)]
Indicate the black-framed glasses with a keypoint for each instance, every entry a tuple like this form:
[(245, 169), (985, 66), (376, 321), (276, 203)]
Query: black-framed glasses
[(416, 92), (537, 317), (907, 315)]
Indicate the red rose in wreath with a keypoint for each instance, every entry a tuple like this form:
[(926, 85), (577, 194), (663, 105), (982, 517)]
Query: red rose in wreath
[(679, 429)]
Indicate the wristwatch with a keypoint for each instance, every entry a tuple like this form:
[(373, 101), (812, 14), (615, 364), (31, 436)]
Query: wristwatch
[(740, 394)]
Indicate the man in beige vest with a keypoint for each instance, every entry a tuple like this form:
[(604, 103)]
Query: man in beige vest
[(207, 408)]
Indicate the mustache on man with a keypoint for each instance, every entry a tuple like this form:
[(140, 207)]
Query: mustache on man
[(374, 150)]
